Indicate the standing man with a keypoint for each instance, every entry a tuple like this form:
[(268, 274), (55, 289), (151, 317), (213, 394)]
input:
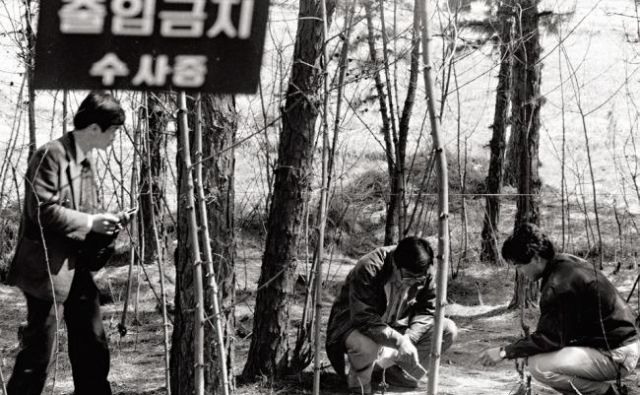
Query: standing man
[(383, 317), (585, 335), (53, 260)]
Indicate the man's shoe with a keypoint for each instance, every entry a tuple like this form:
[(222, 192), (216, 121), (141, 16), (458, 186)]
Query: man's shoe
[(398, 377)]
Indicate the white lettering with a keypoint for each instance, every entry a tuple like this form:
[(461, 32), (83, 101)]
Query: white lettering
[(183, 23), (82, 16), (149, 75), (109, 67), (189, 71), (223, 23), (133, 17)]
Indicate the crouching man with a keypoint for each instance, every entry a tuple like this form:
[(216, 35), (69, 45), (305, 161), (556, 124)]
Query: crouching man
[(383, 317), (585, 335)]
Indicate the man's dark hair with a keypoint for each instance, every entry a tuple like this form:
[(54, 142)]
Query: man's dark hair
[(413, 254), (526, 242), (101, 108)]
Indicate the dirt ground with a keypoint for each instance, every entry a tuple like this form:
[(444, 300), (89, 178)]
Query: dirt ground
[(478, 300)]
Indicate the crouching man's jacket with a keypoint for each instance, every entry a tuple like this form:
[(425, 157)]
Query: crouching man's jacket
[(372, 302), (578, 307)]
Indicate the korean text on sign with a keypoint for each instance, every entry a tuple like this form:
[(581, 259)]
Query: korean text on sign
[(138, 17)]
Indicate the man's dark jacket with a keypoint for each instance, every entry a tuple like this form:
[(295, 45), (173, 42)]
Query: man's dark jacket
[(578, 307), (53, 231), (362, 302)]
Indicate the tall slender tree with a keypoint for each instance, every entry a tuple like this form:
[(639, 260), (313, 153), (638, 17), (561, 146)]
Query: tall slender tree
[(29, 51), (526, 103), (153, 176), (385, 128), (270, 350), (395, 136), (489, 248), (220, 125)]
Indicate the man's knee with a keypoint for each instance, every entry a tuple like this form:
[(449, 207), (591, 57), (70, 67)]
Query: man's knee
[(361, 348), (450, 330), (541, 371), (449, 333)]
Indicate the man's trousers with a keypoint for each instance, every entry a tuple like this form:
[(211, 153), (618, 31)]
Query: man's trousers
[(363, 353), (87, 342), (585, 369)]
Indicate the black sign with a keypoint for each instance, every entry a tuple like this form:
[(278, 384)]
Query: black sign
[(198, 45)]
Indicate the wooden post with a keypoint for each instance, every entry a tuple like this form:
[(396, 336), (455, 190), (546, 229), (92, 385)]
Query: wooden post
[(198, 328), (323, 209), (443, 209), (212, 283)]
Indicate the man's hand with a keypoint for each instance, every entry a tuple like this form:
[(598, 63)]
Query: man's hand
[(407, 352), (490, 356), (105, 224), (125, 217)]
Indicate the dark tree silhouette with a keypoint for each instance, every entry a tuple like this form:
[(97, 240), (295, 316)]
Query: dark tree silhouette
[(270, 351), (489, 249)]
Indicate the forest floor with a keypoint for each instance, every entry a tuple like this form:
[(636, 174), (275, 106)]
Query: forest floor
[(478, 298)]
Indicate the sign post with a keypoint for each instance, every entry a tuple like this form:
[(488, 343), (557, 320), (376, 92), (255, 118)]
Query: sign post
[(193, 45)]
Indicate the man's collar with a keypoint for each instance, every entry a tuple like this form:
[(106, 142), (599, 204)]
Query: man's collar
[(549, 267), (80, 155)]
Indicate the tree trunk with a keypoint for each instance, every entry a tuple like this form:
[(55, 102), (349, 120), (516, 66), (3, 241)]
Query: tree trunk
[(65, 106), (403, 127), (489, 248), (526, 102), (29, 57), (270, 352), (391, 225), (220, 125), (511, 173), (394, 220), (442, 257), (385, 130), (395, 142), (187, 351), (154, 184)]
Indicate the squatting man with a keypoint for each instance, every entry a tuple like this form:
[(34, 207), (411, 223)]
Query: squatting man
[(64, 237), (382, 320), (585, 336)]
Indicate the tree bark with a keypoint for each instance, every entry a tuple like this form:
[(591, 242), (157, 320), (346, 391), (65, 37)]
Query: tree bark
[(394, 220), (152, 178), (385, 130), (403, 127), (29, 58), (188, 268), (270, 352), (220, 125), (526, 103), (442, 258), (489, 247), (395, 142)]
